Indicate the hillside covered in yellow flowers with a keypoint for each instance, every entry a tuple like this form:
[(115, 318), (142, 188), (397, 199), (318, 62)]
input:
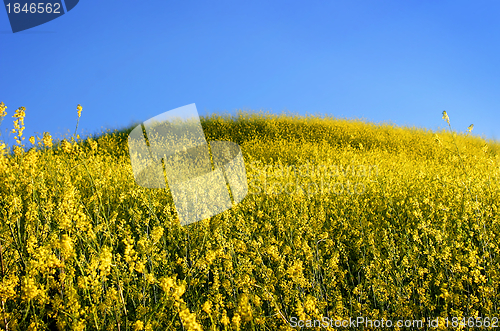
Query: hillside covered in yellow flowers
[(343, 219)]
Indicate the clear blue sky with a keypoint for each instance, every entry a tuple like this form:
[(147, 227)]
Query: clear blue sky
[(398, 61)]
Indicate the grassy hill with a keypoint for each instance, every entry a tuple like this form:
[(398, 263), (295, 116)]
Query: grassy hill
[(343, 219)]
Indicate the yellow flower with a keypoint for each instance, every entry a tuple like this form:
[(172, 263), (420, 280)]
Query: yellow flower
[(8, 287), (150, 278), (139, 267), (470, 127), (189, 320), (67, 147), (30, 288), (79, 110), (93, 144), (19, 124), (32, 140), (106, 257), (224, 320), (445, 117), (138, 326), (2, 109), (47, 139), (179, 291), (236, 321), (157, 233), (66, 245), (166, 284), (244, 308), (207, 307), (310, 305)]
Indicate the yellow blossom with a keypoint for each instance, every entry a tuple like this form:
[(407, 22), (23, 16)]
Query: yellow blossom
[(2, 109), (157, 233), (30, 288), (138, 326), (207, 307), (189, 320), (79, 108), (105, 260), (166, 283), (445, 117), (236, 321), (225, 319), (47, 139), (67, 147)]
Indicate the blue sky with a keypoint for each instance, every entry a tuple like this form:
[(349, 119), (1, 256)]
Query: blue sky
[(398, 61)]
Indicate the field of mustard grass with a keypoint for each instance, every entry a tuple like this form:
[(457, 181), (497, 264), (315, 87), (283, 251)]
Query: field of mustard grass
[(343, 219)]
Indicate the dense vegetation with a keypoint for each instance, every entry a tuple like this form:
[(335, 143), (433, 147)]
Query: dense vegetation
[(343, 219)]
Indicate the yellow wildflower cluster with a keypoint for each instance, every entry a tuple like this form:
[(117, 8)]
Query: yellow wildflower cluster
[(409, 228), (2, 109), (19, 124), (79, 108), (47, 139)]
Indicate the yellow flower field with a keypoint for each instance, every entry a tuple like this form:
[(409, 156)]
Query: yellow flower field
[(343, 219)]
